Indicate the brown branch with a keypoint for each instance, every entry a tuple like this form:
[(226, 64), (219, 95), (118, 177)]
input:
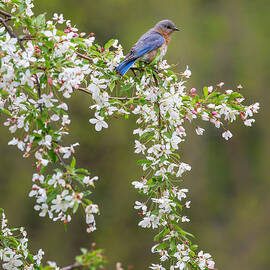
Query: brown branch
[(28, 37), (125, 98), (136, 68), (4, 13), (72, 266), (156, 80), (117, 98), (61, 159), (83, 90), (11, 33), (84, 56), (159, 116), (39, 92)]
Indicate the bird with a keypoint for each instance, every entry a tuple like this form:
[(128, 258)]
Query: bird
[(147, 47)]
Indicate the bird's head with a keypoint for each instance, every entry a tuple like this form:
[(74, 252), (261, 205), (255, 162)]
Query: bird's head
[(166, 26)]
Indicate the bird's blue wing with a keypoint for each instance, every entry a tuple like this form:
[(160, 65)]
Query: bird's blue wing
[(148, 42)]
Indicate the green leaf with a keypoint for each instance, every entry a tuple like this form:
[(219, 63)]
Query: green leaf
[(213, 94), (194, 247), (125, 88), (109, 44), (144, 161), (112, 85), (167, 134), (161, 246), (161, 234), (173, 246), (75, 207), (83, 250), (53, 155), (73, 163), (51, 196), (39, 20), (184, 233), (87, 192), (81, 170), (205, 91)]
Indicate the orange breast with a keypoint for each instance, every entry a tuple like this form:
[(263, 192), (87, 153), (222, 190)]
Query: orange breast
[(166, 36)]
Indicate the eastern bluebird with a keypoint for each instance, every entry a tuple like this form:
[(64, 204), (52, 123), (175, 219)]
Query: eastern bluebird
[(148, 45)]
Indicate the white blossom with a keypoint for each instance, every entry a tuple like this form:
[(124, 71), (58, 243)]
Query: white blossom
[(98, 122), (227, 135)]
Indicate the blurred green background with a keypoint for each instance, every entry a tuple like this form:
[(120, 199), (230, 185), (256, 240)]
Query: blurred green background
[(220, 40)]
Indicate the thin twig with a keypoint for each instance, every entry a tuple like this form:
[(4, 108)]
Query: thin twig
[(28, 37), (125, 98), (136, 68), (156, 80), (39, 92), (85, 57), (159, 116), (61, 159), (72, 266), (83, 90)]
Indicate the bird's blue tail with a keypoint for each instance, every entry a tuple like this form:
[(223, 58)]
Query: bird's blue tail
[(124, 66)]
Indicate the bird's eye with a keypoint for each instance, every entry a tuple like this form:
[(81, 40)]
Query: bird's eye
[(167, 26)]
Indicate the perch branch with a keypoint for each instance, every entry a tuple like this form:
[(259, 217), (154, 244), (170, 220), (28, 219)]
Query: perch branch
[(117, 98)]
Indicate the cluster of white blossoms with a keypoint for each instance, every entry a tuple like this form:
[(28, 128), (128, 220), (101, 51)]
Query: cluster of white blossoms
[(161, 129), (28, 82), (48, 65), (14, 252)]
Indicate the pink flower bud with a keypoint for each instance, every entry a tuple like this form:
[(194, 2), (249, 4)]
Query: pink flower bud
[(192, 90), (50, 81), (214, 113)]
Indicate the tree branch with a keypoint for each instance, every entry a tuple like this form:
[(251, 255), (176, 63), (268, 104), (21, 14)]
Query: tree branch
[(85, 57), (83, 90), (39, 92), (4, 13), (61, 159), (117, 98), (72, 266), (11, 33), (27, 37)]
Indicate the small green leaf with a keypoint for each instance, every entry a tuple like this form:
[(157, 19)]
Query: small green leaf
[(144, 161), (109, 44), (125, 88), (112, 85), (53, 155), (75, 207), (161, 246), (81, 170), (205, 91), (73, 163), (161, 234)]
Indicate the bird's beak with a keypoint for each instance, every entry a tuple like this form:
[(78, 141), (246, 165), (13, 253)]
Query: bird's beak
[(176, 29)]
